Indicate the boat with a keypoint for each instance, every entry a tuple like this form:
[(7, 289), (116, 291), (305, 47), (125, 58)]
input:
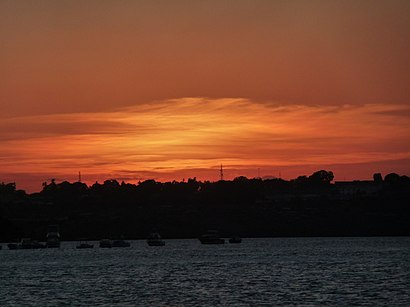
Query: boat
[(120, 243), (26, 243), (13, 246), (53, 237), (211, 237), (235, 239), (105, 243), (154, 239), (84, 245)]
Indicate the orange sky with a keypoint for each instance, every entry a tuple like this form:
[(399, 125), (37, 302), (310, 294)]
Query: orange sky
[(283, 86)]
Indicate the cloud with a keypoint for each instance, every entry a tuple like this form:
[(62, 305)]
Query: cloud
[(170, 137), (401, 111)]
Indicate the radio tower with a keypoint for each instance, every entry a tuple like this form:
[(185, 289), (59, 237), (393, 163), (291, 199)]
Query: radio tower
[(79, 176), (222, 173)]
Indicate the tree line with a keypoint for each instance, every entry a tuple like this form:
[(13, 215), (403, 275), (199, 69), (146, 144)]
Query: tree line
[(305, 206)]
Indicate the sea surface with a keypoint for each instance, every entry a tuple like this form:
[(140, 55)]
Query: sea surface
[(257, 272)]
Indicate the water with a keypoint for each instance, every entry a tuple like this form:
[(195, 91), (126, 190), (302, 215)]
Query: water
[(277, 271)]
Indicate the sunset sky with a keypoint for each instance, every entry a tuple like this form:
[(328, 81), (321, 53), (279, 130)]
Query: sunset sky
[(135, 90)]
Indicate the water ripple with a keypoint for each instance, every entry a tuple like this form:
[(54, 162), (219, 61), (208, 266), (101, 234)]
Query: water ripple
[(302, 272)]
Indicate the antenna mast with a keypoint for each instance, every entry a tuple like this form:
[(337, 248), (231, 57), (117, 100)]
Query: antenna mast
[(222, 173), (79, 176)]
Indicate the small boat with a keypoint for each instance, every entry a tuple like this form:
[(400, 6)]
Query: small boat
[(154, 239), (105, 243), (120, 243), (53, 237), (84, 245), (235, 239), (13, 246), (211, 237), (27, 243)]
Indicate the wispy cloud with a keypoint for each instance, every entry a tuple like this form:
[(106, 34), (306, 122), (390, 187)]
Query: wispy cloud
[(172, 136)]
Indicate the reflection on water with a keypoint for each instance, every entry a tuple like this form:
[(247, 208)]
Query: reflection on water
[(280, 271)]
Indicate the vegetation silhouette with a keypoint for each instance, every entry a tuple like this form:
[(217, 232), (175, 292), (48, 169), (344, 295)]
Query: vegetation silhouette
[(306, 206)]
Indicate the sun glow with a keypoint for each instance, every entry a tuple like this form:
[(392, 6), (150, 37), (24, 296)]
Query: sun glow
[(189, 137)]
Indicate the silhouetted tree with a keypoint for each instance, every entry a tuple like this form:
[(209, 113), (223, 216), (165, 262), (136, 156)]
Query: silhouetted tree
[(321, 177), (377, 178), (392, 178), (7, 188)]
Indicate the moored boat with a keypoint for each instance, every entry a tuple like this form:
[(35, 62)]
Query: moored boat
[(31, 244), (105, 243), (27, 243), (154, 239), (84, 245), (13, 246), (211, 237), (53, 237), (235, 239), (120, 243)]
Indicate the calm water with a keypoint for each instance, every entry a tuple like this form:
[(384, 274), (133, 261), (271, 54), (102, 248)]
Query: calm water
[(285, 271)]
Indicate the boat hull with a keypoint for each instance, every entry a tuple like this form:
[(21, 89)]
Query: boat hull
[(155, 243), (211, 237), (53, 244), (235, 240), (212, 241), (154, 239), (105, 244), (121, 243), (84, 245)]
